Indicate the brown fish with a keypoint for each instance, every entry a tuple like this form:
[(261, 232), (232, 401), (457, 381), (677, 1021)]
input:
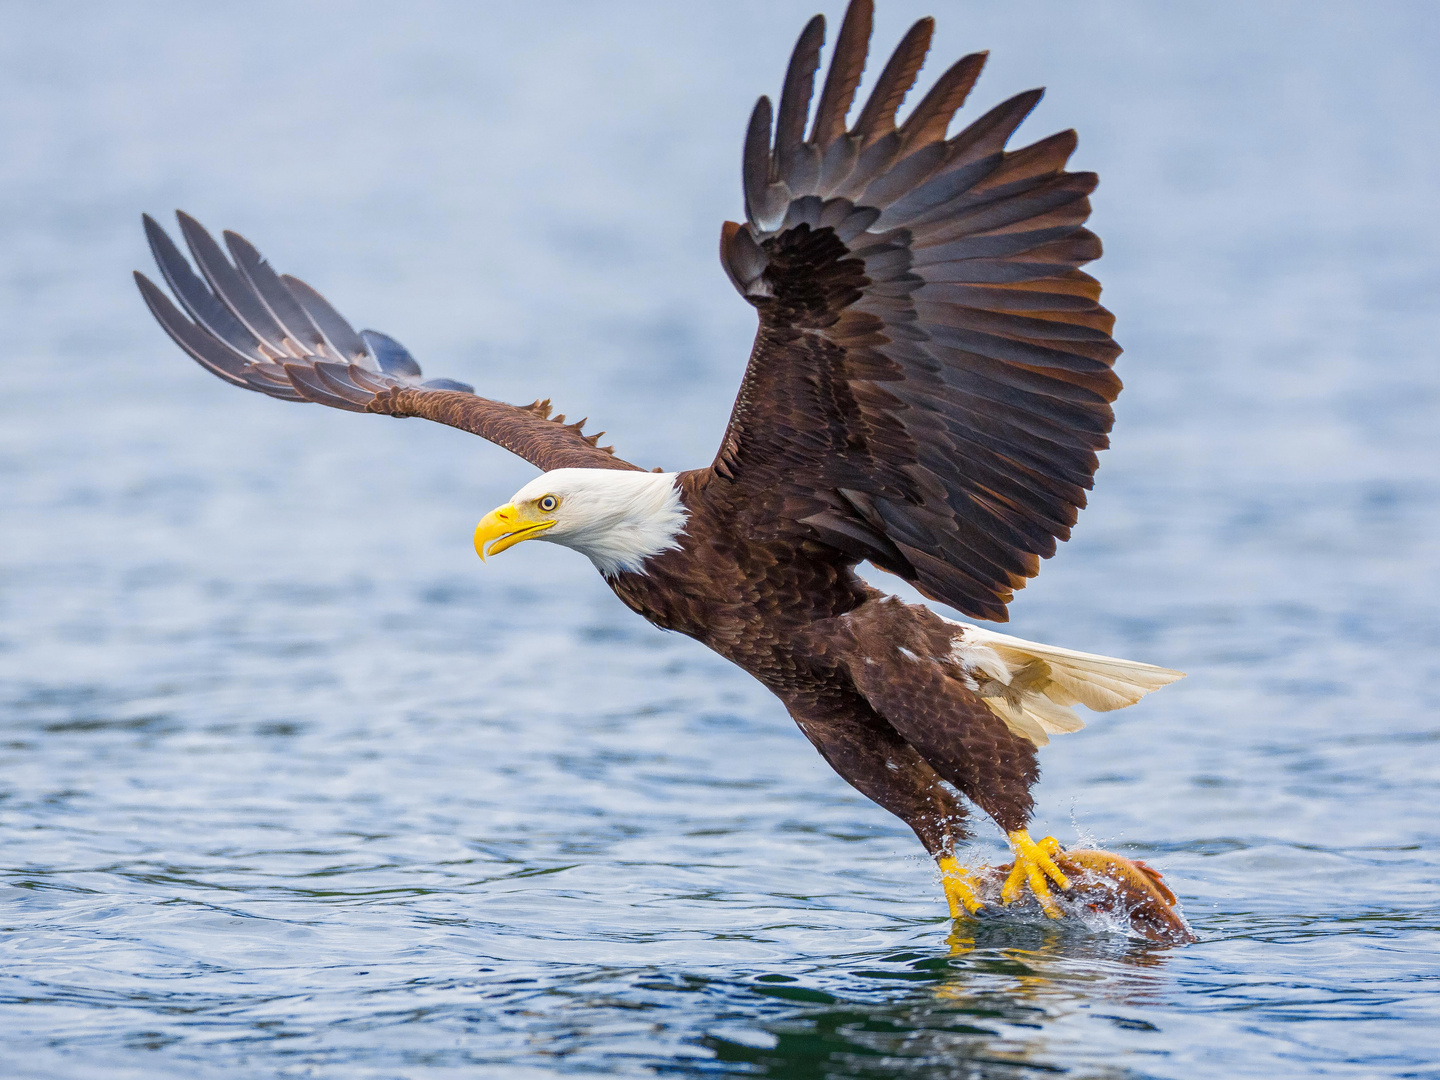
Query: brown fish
[(1105, 882)]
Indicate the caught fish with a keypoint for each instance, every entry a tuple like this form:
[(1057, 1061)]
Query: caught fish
[(1104, 882)]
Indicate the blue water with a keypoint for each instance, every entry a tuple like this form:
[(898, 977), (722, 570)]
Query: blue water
[(292, 785)]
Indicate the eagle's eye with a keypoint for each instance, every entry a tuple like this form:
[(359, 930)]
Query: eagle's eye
[(548, 503)]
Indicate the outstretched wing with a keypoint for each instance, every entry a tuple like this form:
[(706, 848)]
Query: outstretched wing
[(932, 375), (277, 335)]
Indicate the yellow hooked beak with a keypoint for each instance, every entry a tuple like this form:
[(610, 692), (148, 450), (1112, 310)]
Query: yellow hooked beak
[(507, 526)]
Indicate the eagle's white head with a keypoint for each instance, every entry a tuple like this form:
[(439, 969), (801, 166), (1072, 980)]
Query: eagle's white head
[(616, 517)]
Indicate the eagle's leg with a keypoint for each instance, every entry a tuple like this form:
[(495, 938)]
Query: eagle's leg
[(961, 887), (871, 757), (1034, 863)]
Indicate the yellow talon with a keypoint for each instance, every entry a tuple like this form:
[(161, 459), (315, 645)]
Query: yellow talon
[(959, 887), (1033, 863)]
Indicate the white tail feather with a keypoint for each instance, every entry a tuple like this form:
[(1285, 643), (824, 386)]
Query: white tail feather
[(1041, 682)]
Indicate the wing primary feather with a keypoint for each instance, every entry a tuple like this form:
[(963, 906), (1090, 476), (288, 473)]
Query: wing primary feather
[(206, 350), (877, 118), (755, 173), (992, 131), (193, 339), (930, 119), (230, 285), (279, 300), (847, 65), (976, 154), (795, 99), (197, 300), (332, 324), (765, 202)]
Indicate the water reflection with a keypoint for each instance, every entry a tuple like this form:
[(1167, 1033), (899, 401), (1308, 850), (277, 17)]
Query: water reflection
[(986, 1008)]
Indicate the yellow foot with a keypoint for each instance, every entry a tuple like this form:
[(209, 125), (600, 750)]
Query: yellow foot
[(959, 887), (1033, 864)]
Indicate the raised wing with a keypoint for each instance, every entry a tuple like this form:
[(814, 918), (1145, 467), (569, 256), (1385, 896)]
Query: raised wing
[(932, 375), (278, 336)]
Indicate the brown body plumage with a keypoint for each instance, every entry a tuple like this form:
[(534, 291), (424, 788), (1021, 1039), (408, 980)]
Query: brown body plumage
[(796, 616), (928, 389)]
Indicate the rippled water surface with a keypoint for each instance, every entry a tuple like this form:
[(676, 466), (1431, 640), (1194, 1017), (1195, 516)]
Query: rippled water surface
[(292, 785)]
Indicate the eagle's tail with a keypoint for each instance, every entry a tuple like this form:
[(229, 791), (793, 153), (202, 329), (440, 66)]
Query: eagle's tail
[(1033, 686)]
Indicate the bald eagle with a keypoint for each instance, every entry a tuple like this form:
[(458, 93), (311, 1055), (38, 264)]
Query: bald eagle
[(929, 386)]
